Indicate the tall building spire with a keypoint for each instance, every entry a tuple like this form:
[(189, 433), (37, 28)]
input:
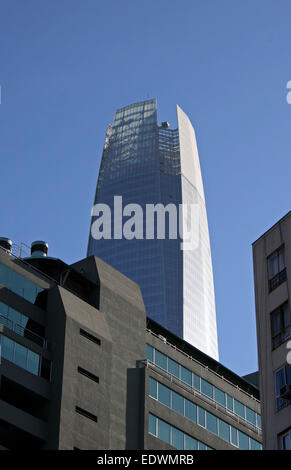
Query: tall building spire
[(147, 164)]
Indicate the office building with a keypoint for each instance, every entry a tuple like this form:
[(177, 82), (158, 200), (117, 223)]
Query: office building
[(149, 164), (272, 265), (82, 367)]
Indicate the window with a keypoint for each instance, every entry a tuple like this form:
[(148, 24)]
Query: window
[(89, 375), (90, 337), (18, 284), (281, 325), (164, 395), (178, 403), (239, 409), (211, 423), (19, 355), (282, 377), (86, 413), (285, 440), (206, 388), (219, 396), (276, 268)]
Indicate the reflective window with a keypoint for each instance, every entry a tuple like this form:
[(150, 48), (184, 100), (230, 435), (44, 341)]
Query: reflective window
[(190, 410), (211, 423), (164, 431), (152, 425), (160, 359), (224, 430), (206, 388), (19, 284), (203, 386), (177, 438), (19, 355), (239, 408), (177, 403), (173, 436), (204, 418), (219, 396), (153, 388), (164, 395)]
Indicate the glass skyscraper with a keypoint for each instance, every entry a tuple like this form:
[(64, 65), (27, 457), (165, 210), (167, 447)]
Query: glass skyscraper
[(147, 163)]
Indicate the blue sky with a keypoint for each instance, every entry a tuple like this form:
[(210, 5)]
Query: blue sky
[(66, 65)]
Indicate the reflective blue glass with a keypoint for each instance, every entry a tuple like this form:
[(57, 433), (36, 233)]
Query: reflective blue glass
[(197, 382), (201, 416), (160, 359), (19, 284), (186, 376), (190, 410), (178, 403), (164, 431), (211, 423), (250, 416), (149, 353), (234, 437), (152, 424), (219, 396), (190, 443), (243, 440), (177, 438), (164, 395), (153, 388), (206, 388), (173, 368), (224, 430), (239, 408)]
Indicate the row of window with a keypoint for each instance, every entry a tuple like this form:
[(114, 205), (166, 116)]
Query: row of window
[(173, 436), (24, 358), (203, 386), (200, 416)]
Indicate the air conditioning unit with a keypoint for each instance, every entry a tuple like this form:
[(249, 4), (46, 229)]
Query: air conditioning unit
[(285, 392)]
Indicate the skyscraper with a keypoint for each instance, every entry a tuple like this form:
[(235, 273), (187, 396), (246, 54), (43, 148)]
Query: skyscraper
[(147, 163)]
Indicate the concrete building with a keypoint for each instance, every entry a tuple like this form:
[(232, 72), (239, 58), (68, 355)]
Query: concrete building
[(149, 164), (272, 274), (82, 367)]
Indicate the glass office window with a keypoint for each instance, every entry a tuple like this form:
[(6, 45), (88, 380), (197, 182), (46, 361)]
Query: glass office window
[(234, 436), (164, 431), (202, 446), (190, 410), (211, 423), (239, 409), (149, 353), (7, 348), (197, 382), (20, 354), (173, 368), (186, 376), (152, 425), (224, 430), (201, 416), (153, 388), (178, 403), (206, 388), (177, 438), (219, 396), (190, 443), (164, 395), (250, 416), (259, 421), (243, 440), (255, 445), (229, 402), (161, 359), (19, 284)]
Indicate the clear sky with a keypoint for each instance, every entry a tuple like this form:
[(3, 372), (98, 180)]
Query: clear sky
[(66, 65)]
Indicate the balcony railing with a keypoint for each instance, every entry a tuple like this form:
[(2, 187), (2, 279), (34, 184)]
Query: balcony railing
[(22, 331)]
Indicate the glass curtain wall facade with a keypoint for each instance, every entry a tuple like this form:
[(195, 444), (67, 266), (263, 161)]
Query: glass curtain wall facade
[(150, 164)]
